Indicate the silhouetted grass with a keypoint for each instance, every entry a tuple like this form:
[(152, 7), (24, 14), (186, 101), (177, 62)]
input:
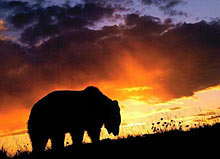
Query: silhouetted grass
[(167, 137), (3, 153)]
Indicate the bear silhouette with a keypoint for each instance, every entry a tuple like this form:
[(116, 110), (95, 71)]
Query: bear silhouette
[(61, 112)]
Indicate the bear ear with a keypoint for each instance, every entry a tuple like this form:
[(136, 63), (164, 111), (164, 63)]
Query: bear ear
[(116, 106), (115, 102)]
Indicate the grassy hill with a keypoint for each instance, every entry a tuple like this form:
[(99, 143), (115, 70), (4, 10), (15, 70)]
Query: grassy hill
[(162, 141)]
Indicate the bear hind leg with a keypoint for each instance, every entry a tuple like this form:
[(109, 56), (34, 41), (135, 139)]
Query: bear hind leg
[(77, 136), (57, 141)]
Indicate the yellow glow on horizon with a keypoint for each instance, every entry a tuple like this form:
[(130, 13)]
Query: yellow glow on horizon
[(137, 114), (16, 121), (134, 89)]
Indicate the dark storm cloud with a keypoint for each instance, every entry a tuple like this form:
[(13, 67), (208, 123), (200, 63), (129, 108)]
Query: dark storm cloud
[(37, 22), (186, 54), (194, 50), (11, 63), (167, 6), (17, 5), (42, 22), (69, 60), (55, 20), (144, 26)]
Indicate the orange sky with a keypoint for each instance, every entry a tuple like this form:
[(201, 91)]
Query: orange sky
[(134, 87)]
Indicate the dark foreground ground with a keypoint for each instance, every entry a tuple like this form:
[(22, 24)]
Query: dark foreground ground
[(201, 140)]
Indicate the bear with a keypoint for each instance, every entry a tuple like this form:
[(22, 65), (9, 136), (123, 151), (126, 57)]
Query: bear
[(71, 111)]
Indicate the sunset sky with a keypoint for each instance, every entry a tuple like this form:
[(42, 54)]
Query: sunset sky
[(158, 58)]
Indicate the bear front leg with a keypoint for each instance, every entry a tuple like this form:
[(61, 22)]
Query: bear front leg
[(94, 134)]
